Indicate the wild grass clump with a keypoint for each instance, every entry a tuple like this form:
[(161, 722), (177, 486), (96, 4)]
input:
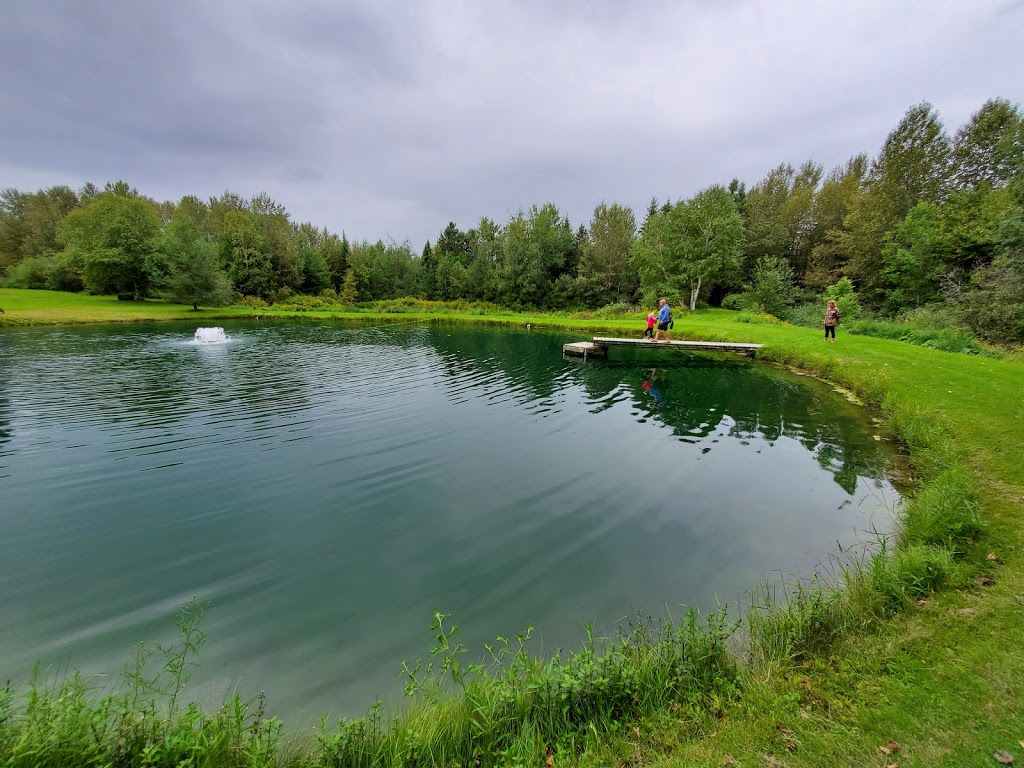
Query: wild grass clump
[(758, 318), (411, 305), (944, 513), (792, 623), (789, 623), (516, 709), (894, 581), (147, 722), (942, 339), (513, 709)]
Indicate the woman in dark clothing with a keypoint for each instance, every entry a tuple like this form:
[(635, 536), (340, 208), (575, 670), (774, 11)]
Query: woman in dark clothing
[(831, 320)]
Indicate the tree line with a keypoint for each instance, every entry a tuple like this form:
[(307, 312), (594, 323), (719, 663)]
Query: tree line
[(932, 223)]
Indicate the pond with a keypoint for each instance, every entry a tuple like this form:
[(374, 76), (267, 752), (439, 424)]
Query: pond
[(326, 487)]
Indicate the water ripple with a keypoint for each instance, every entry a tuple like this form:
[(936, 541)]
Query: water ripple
[(328, 487)]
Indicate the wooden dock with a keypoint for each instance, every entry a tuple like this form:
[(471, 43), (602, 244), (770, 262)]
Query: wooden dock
[(600, 345)]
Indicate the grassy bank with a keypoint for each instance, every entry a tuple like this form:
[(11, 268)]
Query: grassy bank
[(920, 647)]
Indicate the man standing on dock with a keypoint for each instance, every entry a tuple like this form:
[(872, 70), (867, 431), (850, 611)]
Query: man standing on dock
[(664, 318)]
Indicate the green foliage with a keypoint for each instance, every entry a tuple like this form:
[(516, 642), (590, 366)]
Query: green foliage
[(534, 251), (989, 149), (758, 318), (516, 709), (253, 302), (912, 167), (845, 297), (927, 255), (409, 305), (243, 249), (114, 237), (348, 290), (944, 339), (606, 249), (766, 232), (144, 723), (194, 275), (316, 274), (923, 221), (736, 301), (29, 222), (832, 204), (944, 513), (993, 305), (275, 232), (771, 287), (30, 273), (512, 707), (916, 258), (682, 251)]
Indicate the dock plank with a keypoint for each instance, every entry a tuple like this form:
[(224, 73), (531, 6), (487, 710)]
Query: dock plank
[(600, 345), (728, 346)]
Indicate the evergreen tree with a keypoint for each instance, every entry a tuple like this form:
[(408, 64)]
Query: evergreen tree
[(348, 290), (316, 275), (242, 248), (194, 274)]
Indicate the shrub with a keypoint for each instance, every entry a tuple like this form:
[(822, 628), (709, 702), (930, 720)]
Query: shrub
[(932, 316), (806, 315), (844, 296), (304, 303), (282, 295), (618, 309), (411, 304), (736, 301), (942, 339), (30, 273), (758, 318), (255, 302), (993, 307), (66, 274), (771, 287)]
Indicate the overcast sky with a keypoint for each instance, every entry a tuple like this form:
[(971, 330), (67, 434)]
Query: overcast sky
[(388, 119)]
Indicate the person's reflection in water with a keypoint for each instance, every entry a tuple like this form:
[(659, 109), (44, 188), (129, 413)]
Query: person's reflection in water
[(653, 389)]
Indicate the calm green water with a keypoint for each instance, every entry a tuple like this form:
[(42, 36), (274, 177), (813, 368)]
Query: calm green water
[(327, 487)]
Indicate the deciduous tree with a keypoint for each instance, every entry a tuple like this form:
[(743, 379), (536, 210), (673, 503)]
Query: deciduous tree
[(696, 242), (989, 149), (113, 237), (606, 249)]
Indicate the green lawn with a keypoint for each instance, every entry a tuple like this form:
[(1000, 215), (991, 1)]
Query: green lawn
[(51, 307), (944, 679)]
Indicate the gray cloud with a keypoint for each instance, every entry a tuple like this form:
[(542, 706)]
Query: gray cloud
[(390, 118)]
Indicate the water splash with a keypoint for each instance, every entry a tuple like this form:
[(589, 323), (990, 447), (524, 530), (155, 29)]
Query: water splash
[(210, 336)]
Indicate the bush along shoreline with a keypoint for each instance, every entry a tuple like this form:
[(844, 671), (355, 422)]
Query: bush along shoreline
[(517, 708)]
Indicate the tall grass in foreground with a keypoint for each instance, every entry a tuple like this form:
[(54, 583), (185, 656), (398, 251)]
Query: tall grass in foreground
[(145, 722), (515, 709)]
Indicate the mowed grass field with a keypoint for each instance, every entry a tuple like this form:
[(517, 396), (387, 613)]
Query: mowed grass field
[(942, 680)]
